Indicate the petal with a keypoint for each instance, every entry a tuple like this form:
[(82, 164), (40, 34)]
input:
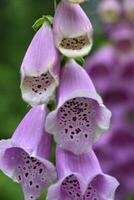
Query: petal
[(128, 6), (72, 30), (122, 36), (32, 173), (127, 72), (30, 132), (74, 173), (40, 68), (79, 113), (61, 192), (80, 177), (100, 66), (106, 186), (85, 165), (24, 157), (54, 192)]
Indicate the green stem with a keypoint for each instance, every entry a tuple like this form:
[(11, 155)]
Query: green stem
[(55, 4)]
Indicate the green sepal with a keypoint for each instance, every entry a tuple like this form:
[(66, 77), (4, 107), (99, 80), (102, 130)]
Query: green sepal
[(80, 61), (51, 105), (64, 60), (48, 19)]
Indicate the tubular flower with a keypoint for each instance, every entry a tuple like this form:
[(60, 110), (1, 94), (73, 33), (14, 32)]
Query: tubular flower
[(80, 177), (115, 154), (72, 30), (100, 66), (122, 37), (40, 68), (24, 157), (80, 116), (126, 72), (109, 11), (129, 9)]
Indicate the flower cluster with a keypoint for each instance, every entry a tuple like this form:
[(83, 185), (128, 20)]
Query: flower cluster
[(112, 71), (76, 121)]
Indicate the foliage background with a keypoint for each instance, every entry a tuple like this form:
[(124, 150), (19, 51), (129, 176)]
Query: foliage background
[(16, 19)]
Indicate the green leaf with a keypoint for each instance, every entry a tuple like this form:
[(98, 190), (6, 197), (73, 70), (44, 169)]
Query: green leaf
[(44, 19)]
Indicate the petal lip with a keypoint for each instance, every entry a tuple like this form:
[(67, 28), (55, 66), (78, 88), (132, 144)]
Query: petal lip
[(34, 100), (9, 144), (88, 172), (54, 192), (76, 53), (31, 137)]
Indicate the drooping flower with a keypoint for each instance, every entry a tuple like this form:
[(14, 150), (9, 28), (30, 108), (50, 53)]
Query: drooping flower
[(80, 177), (72, 30), (122, 37), (116, 157), (24, 157), (128, 6), (80, 117), (126, 71), (110, 11), (100, 66), (40, 68)]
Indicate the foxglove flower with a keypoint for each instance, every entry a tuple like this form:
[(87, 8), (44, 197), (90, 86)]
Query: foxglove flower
[(80, 117), (129, 9), (100, 66), (122, 37), (72, 30), (80, 177), (110, 11), (40, 68), (116, 96), (126, 72), (24, 157), (115, 152)]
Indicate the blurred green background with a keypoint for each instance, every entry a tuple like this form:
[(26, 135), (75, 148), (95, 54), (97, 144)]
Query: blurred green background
[(16, 19)]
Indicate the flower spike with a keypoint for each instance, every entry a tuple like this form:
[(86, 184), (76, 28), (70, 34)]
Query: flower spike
[(72, 30), (40, 68), (24, 157), (80, 117)]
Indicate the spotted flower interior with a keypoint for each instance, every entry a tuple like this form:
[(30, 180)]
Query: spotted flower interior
[(75, 43), (77, 121), (32, 174), (71, 190), (39, 85)]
